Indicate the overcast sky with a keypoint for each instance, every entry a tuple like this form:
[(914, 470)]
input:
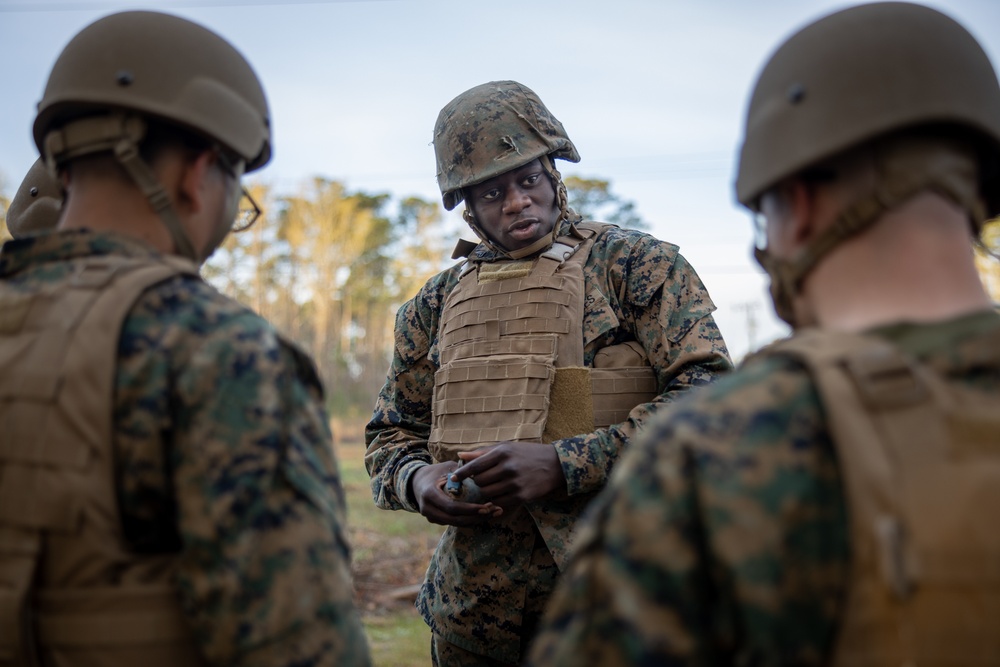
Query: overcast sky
[(652, 92)]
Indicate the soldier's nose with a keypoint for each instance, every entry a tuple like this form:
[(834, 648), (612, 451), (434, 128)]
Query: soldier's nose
[(516, 202)]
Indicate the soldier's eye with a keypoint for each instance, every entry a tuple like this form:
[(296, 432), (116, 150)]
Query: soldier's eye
[(490, 195), (531, 179)]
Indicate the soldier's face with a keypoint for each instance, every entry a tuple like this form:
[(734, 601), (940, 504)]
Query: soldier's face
[(516, 208)]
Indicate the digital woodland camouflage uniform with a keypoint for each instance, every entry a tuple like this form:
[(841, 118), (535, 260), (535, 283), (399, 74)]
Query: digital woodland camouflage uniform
[(833, 501), (484, 585), (225, 458), (723, 536), (168, 487)]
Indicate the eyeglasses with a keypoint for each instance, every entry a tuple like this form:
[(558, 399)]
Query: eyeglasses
[(248, 211), (247, 214)]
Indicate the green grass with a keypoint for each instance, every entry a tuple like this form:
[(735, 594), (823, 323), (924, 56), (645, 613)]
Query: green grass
[(398, 640), (360, 506), (390, 550)]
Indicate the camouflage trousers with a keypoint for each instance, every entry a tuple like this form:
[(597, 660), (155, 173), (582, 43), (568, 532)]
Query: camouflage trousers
[(446, 654), (545, 572)]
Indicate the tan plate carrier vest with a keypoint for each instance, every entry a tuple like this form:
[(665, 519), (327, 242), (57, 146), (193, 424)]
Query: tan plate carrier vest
[(71, 592), (920, 460), (512, 363)]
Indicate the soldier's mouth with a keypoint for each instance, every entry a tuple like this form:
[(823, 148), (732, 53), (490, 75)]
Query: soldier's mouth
[(523, 228)]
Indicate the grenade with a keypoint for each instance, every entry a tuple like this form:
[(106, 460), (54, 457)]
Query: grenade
[(467, 490)]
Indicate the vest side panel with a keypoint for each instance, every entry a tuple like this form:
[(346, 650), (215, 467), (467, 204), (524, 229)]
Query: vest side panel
[(925, 584), (93, 601)]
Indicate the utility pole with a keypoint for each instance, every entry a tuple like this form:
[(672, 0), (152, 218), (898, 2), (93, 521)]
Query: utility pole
[(749, 308)]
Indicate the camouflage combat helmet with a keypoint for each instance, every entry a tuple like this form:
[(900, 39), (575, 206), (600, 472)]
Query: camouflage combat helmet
[(858, 74), (137, 65), (489, 130), (35, 208), (882, 77)]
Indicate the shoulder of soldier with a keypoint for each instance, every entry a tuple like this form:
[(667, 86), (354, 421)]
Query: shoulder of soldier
[(643, 264), (746, 446), (184, 314), (417, 319), (428, 302), (613, 241), (767, 401), (758, 380)]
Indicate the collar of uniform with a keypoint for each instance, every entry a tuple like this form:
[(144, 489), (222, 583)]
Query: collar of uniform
[(490, 253), (62, 245), (921, 339)]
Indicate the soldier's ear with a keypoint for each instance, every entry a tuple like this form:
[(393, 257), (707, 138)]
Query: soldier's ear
[(800, 198), (197, 176)]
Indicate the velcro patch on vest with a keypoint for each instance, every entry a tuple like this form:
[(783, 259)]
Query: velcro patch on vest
[(497, 271), (571, 409)]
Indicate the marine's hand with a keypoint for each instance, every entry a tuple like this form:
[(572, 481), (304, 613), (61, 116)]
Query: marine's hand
[(513, 473), (441, 508)]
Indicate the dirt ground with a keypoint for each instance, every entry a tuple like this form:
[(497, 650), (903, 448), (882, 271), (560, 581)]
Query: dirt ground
[(390, 549), (388, 579)]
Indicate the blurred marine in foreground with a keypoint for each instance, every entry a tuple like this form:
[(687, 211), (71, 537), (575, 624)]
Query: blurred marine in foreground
[(532, 364), (168, 492), (834, 501)]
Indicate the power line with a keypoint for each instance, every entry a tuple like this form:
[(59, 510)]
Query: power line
[(750, 309)]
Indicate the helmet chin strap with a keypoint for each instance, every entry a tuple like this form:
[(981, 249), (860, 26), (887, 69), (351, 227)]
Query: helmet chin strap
[(902, 171), (120, 134), (128, 155)]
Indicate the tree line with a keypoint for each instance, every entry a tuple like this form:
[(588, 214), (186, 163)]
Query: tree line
[(329, 267)]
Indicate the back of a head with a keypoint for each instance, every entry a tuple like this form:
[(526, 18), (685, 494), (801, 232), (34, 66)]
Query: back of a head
[(36, 205), (898, 83), (130, 73), (158, 66), (864, 73)]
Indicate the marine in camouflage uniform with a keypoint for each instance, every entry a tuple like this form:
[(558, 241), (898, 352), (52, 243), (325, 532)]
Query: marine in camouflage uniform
[(739, 530), (222, 540), (225, 462), (498, 559)]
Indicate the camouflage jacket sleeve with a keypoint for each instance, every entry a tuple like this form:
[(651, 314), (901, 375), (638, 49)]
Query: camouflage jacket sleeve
[(720, 539), (641, 289), (226, 456), (401, 423)]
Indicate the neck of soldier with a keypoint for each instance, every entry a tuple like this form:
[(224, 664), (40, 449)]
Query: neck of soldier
[(914, 265), (102, 200)]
